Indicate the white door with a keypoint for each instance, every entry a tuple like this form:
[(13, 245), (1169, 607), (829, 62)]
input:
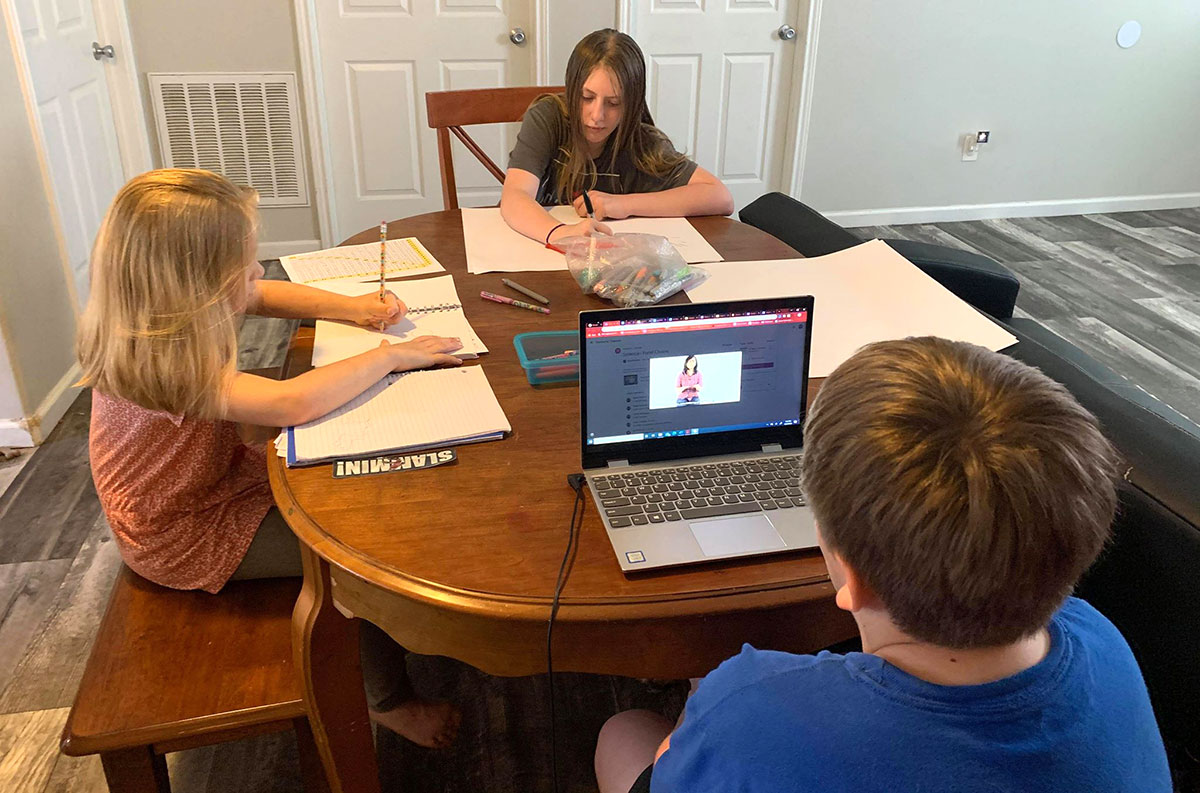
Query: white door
[(719, 82), (75, 113), (378, 58)]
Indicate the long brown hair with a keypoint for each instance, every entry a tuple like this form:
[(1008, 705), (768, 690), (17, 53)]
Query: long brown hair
[(168, 279), (622, 57)]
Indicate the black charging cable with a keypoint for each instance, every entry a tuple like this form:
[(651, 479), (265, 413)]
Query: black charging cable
[(576, 481)]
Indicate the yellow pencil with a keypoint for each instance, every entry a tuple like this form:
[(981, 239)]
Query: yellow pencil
[(382, 262)]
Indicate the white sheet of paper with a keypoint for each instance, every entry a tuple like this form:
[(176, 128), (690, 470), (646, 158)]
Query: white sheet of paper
[(336, 341), (492, 246), (860, 295), (405, 256)]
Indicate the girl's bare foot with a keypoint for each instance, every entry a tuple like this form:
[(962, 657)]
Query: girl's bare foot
[(433, 725)]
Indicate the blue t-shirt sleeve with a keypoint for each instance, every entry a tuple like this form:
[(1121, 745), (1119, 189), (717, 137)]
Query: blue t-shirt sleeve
[(713, 734)]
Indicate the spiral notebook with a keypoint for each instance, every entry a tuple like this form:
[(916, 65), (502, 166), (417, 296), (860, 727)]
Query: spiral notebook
[(404, 412), (434, 309)]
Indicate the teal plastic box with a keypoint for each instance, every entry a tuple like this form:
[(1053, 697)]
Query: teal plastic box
[(535, 350)]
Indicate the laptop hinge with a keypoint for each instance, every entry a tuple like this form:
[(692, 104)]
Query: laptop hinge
[(618, 463), (772, 447)]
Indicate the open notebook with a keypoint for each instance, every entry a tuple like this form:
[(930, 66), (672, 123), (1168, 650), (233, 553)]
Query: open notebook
[(404, 412), (434, 309)]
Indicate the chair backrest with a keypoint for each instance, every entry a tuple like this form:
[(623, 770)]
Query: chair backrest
[(450, 111)]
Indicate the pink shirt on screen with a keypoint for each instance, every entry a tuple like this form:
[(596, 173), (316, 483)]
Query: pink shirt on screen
[(688, 383)]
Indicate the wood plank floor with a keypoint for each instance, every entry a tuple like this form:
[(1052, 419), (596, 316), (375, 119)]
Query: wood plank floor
[(1125, 287)]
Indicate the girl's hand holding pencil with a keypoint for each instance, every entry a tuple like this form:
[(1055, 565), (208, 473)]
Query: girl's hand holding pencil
[(368, 310)]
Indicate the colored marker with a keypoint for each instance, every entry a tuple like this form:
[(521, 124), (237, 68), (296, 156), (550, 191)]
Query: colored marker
[(509, 301), (525, 291)]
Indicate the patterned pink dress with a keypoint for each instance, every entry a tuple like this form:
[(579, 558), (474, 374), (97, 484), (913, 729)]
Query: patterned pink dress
[(184, 497)]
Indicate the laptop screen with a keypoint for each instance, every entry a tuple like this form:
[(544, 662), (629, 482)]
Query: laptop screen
[(657, 377)]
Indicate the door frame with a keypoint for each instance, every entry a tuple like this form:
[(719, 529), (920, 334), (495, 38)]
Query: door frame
[(799, 101), (133, 139), (112, 24), (124, 87), (315, 116)]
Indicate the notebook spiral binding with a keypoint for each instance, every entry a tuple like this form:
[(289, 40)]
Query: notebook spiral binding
[(435, 308)]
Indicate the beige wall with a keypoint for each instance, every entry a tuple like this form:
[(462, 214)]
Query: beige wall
[(1072, 116), (224, 36), (569, 22), (37, 319)]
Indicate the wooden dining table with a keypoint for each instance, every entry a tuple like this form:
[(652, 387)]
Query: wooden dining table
[(461, 560)]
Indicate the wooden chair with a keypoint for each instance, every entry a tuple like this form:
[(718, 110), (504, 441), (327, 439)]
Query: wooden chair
[(450, 111), (173, 670)]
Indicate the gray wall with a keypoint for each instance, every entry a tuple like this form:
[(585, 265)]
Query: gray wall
[(1072, 115), (37, 319), (224, 36)]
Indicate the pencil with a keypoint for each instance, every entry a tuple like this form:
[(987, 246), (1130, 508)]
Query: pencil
[(525, 291), (509, 301), (382, 263)]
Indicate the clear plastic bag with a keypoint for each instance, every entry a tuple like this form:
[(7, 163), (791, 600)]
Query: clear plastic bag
[(628, 269)]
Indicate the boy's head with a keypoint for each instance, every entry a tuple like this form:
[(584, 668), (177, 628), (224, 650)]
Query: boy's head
[(967, 491)]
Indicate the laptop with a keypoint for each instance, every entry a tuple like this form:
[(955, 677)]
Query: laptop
[(692, 420)]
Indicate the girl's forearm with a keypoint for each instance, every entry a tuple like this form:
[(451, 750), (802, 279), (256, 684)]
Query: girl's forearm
[(699, 198), (283, 403), (525, 215), (297, 301)]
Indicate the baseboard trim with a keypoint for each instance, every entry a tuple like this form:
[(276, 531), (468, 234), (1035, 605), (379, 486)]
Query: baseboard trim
[(55, 405), (33, 430), (274, 250), (896, 216)]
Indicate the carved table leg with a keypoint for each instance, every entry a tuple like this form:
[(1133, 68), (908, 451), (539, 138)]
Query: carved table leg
[(326, 649)]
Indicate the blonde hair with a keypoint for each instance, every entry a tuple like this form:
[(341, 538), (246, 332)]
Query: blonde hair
[(648, 146), (967, 490), (168, 268)]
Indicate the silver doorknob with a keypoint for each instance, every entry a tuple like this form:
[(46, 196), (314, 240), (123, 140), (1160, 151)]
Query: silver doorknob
[(516, 36), (787, 33), (99, 52)]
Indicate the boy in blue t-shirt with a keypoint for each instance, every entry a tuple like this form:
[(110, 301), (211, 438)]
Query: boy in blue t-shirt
[(960, 494)]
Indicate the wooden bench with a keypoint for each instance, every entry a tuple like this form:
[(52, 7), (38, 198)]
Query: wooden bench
[(173, 670)]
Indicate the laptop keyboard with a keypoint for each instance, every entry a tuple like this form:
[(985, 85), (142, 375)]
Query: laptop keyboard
[(638, 498)]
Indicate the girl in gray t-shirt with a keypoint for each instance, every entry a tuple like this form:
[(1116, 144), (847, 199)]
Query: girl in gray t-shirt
[(599, 137)]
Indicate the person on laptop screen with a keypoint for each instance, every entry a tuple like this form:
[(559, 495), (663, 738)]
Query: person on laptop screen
[(959, 495), (689, 382)]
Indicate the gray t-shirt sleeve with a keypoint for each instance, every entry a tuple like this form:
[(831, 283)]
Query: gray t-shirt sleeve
[(539, 139)]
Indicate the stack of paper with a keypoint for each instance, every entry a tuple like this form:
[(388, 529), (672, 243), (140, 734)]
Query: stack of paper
[(402, 413), (492, 246), (404, 257), (860, 295), (434, 309)]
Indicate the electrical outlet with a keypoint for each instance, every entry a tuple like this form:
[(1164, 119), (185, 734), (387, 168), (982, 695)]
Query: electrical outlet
[(970, 147)]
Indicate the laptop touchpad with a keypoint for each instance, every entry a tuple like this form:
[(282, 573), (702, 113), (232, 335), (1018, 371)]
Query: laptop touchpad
[(736, 535)]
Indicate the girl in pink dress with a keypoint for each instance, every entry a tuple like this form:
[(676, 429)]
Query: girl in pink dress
[(173, 272), (689, 382)]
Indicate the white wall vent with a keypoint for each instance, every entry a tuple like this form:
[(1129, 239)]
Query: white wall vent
[(244, 126)]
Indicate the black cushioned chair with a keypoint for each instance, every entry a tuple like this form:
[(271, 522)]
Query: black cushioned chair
[(1147, 581), (978, 280)]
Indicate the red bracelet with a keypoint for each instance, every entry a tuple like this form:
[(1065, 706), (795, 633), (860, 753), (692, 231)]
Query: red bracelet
[(551, 231)]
